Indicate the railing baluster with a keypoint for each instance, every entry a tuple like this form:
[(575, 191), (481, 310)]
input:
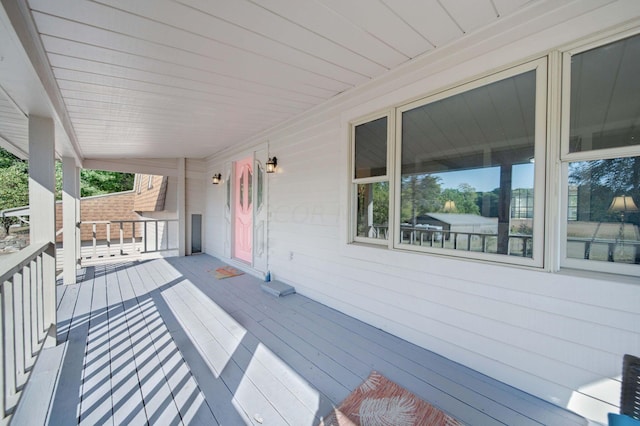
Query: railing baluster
[(109, 239), (11, 398), (40, 323), (121, 239), (157, 248), (35, 334), (133, 236), (18, 330), (26, 315), (93, 237), (145, 235)]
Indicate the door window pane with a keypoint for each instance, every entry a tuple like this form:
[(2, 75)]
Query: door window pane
[(467, 176), (260, 185), (371, 149), (606, 197), (373, 210), (605, 97)]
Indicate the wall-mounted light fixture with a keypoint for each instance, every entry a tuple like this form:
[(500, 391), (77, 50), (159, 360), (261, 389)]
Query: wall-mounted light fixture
[(216, 179), (272, 163)]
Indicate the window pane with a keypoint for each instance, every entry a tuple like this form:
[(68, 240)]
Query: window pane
[(373, 210), (260, 188), (467, 172), (371, 149), (606, 227), (605, 97)]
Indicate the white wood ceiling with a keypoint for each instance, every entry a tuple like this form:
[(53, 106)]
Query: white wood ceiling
[(187, 78)]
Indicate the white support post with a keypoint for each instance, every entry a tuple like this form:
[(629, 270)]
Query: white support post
[(70, 202), (182, 181), (42, 206)]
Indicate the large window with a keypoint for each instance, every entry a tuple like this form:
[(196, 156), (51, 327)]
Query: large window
[(464, 178), (601, 157), (467, 171)]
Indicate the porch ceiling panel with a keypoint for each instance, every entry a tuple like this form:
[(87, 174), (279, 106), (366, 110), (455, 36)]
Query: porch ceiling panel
[(174, 78)]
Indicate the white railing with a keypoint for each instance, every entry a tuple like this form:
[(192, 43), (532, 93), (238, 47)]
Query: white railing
[(27, 318), (142, 236)]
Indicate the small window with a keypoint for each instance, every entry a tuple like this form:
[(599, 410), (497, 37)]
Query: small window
[(371, 181), (150, 182), (601, 160), (371, 149), (139, 184)]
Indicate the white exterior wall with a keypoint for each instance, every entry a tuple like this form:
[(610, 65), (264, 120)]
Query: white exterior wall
[(560, 336)]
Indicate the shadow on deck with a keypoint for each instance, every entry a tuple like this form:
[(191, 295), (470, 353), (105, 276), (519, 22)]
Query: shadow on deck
[(163, 341)]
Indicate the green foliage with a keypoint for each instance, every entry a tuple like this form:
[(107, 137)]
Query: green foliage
[(601, 180), (14, 189), (381, 203), (465, 199), (98, 182), (420, 195)]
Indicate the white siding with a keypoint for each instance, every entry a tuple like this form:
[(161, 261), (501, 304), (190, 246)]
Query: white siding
[(560, 336)]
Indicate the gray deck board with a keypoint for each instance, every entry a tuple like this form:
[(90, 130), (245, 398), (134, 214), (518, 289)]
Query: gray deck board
[(164, 342)]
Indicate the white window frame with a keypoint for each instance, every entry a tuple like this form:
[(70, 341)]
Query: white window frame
[(567, 157), (540, 142), (353, 197)]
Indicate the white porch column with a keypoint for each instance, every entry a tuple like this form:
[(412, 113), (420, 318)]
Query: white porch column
[(70, 217), (42, 206), (182, 184)]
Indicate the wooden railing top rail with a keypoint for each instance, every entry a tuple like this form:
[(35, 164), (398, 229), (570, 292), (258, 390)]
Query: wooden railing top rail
[(14, 262)]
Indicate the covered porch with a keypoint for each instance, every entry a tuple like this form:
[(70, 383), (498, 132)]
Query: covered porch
[(163, 341), (207, 94)]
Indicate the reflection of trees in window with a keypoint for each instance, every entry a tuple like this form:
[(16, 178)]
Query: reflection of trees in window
[(464, 198), (599, 181), (420, 195), (373, 209)]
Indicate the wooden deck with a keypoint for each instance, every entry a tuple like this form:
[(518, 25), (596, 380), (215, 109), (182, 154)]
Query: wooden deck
[(163, 342)]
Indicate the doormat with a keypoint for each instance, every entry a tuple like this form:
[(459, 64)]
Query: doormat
[(226, 272), (379, 401)]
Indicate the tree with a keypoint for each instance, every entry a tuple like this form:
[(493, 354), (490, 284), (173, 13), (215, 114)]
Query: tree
[(465, 198), (601, 180), (419, 195), (14, 190), (98, 182)]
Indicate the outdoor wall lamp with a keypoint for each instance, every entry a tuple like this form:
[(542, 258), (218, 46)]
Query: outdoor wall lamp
[(272, 163), (216, 179)]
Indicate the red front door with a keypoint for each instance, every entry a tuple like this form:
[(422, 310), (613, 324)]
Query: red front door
[(243, 223)]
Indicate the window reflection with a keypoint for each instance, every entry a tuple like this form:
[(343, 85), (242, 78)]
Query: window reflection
[(373, 210), (467, 178), (604, 218)]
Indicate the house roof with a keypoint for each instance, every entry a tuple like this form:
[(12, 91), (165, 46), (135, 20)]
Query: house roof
[(136, 77), (462, 219)]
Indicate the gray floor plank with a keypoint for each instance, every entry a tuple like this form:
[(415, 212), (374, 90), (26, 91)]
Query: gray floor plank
[(96, 406), (67, 397), (128, 405), (159, 403)]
